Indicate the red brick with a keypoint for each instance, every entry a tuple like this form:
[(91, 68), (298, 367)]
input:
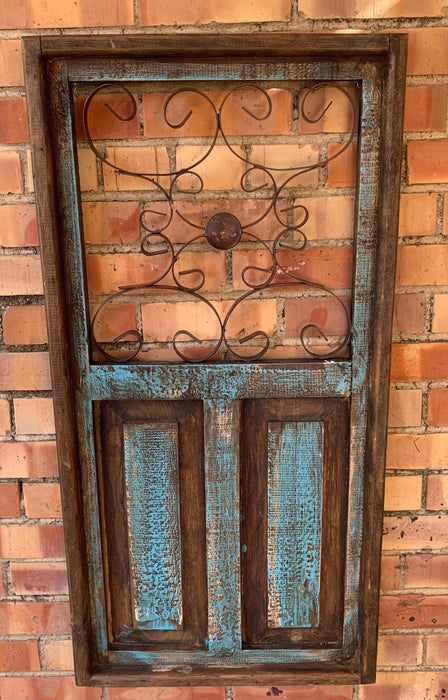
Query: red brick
[(39, 578), (440, 314), (197, 12), (419, 362), (42, 500), (28, 460), (437, 649), (34, 416), (419, 532), (102, 123), (24, 325), (19, 656), (428, 51), (417, 451), (427, 161), (437, 492), (425, 108), (425, 570), (409, 313), (283, 156), (394, 685), (325, 312), (31, 541), (111, 222), (5, 417), (342, 169), (418, 214), (70, 13), (57, 655), (422, 265), (304, 692), (357, 9), (113, 320), (445, 215), (13, 120), (438, 407), (9, 500), (204, 693), (24, 371), (149, 159), (409, 611), (400, 650), (403, 493), (3, 582), (405, 408), (34, 618), (390, 572), (11, 64), (10, 173), (18, 225), (46, 688), (20, 274), (329, 217)]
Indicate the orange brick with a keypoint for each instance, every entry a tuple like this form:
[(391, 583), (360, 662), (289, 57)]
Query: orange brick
[(417, 451), (3, 582), (418, 214), (221, 170), (425, 570), (9, 500), (18, 225), (71, 13), (427, 161), (31, 541), (111, 222), (342, 169), (46, 688), (102, 123), (114, 320), (422, 265), (437, 492), (390, 572), (197, 12), (42, 500), (19, 656), (24, 371), (357, 9), (304, 692), (337, 118), (403, 493), (405, 408), (149, 159), (329, 217), (57, 655), (445, 215), (34, 618), (325, 312), (24, 325), (425, 108), (13, 120), (34, 416), (420, 361), (39, 578), (28, 460), (440, 314), (284, 156), (11, 66), (409, 313), (88, 177), (20, 274), (394, 685), (438, 407), (400, 650), (419, 532), (10, 173), (413, 611), (437, 649), (427, 51), (5, 417), (171, 693)]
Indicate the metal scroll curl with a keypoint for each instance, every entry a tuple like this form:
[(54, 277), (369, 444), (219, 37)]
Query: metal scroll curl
[(223, 231)]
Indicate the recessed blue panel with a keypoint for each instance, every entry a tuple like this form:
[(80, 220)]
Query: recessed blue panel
[(152, 486), (295, 465)]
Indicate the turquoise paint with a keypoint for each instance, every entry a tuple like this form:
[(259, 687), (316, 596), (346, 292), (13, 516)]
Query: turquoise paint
[(295, 471), (152, 486)]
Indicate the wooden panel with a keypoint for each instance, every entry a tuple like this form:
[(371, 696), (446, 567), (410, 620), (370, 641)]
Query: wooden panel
[(153, 515), (294, 459)]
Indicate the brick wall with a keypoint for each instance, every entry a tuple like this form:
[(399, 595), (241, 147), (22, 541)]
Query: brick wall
[(35, 652)]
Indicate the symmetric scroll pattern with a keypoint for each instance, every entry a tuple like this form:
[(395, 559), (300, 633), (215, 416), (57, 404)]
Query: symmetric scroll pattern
[(223, 231)]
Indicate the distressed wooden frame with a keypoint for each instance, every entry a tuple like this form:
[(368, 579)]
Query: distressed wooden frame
[(81, 389)]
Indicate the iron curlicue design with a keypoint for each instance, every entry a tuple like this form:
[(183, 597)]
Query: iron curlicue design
[(223, 230)]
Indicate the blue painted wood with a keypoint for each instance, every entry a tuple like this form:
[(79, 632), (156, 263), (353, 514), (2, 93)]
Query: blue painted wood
[(295, 469), (152, 485)]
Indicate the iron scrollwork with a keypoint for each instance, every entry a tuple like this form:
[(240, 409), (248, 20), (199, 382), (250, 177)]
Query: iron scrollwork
[(223, 230)]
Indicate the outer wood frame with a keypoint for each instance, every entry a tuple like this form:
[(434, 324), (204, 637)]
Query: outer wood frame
[(71, 374)]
